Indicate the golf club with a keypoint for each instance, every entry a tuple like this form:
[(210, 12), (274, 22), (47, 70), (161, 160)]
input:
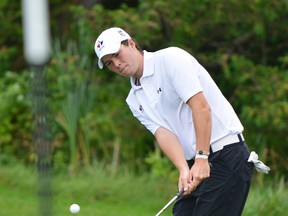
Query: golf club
[(180, 193)]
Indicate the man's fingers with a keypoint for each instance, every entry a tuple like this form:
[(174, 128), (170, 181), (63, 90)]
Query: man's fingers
[(193, 185), (188, 186), (188, 190)]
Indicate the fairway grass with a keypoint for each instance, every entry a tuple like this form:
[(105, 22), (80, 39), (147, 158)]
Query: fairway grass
[(123, 194)]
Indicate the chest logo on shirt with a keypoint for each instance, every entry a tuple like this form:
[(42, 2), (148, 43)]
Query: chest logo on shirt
[(141, 108), (159, 90)]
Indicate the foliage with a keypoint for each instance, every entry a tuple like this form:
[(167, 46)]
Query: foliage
[(161, 166), (89, 115), (261, 94), (11, 35), (241, 44), (16, 126)]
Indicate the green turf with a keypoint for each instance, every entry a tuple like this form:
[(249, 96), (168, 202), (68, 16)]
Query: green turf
[(122, 194)]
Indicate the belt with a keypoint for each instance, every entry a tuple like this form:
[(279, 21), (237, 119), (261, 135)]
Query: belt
[(227, 140)]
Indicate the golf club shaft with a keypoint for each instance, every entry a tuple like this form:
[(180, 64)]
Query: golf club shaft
[(180, 193)]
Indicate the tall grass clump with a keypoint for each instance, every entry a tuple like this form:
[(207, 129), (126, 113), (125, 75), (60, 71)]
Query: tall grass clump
[(268, 198)]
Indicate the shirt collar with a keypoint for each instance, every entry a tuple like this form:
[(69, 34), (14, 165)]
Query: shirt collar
[(148, 68)]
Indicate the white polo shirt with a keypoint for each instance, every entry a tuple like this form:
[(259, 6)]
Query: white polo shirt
[(171, 76)]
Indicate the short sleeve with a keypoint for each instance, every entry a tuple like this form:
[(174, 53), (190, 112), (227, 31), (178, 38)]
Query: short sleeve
[(183, 69)]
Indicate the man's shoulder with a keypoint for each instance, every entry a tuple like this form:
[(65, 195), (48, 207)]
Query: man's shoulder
[(171, 49), (171, 52)]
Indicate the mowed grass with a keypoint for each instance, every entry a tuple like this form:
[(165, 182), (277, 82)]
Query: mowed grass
[(102, 194), (94, 189)]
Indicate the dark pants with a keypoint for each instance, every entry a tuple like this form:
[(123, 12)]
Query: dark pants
[(225, 192)]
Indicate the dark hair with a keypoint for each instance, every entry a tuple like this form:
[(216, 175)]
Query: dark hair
[(125, 42)]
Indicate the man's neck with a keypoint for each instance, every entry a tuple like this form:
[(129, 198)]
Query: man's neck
[(139, 73)]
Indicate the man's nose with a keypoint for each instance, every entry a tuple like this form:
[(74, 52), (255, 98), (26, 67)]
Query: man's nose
[(117, 63)]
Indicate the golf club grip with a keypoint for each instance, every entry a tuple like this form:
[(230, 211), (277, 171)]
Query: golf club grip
[(180, 193)]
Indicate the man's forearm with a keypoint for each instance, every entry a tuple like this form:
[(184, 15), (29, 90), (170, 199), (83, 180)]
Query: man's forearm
[(202, 121), (171, 147)]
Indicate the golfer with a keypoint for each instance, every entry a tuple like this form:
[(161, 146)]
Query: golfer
[(176, 99)]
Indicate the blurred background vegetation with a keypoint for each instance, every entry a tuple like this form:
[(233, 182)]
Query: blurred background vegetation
[(243, 45)]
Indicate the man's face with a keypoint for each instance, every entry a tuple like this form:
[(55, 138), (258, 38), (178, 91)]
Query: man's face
[(126, 61)]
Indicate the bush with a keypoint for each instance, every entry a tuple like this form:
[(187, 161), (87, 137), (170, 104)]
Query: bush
[(16, 118)]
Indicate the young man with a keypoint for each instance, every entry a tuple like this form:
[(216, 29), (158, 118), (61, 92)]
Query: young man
[(175, 98)]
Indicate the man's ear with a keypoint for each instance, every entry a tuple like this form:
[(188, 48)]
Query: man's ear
[(131, 43)]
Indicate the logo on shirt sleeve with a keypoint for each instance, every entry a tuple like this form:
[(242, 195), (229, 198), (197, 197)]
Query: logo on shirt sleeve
[(141, 108), (159, 90)]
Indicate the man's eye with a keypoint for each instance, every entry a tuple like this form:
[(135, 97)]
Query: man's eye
[(108, 63)]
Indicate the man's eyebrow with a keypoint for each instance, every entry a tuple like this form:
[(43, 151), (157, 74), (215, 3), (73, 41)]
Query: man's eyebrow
[(109, 60)]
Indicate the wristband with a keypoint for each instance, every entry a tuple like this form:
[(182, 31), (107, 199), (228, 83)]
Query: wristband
[(201, 156)]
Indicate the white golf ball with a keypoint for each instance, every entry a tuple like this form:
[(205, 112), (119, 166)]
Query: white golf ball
[(74, 208)]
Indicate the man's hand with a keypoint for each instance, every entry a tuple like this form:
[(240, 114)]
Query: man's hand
[(185, 180), (199, 172), (190, 179)]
